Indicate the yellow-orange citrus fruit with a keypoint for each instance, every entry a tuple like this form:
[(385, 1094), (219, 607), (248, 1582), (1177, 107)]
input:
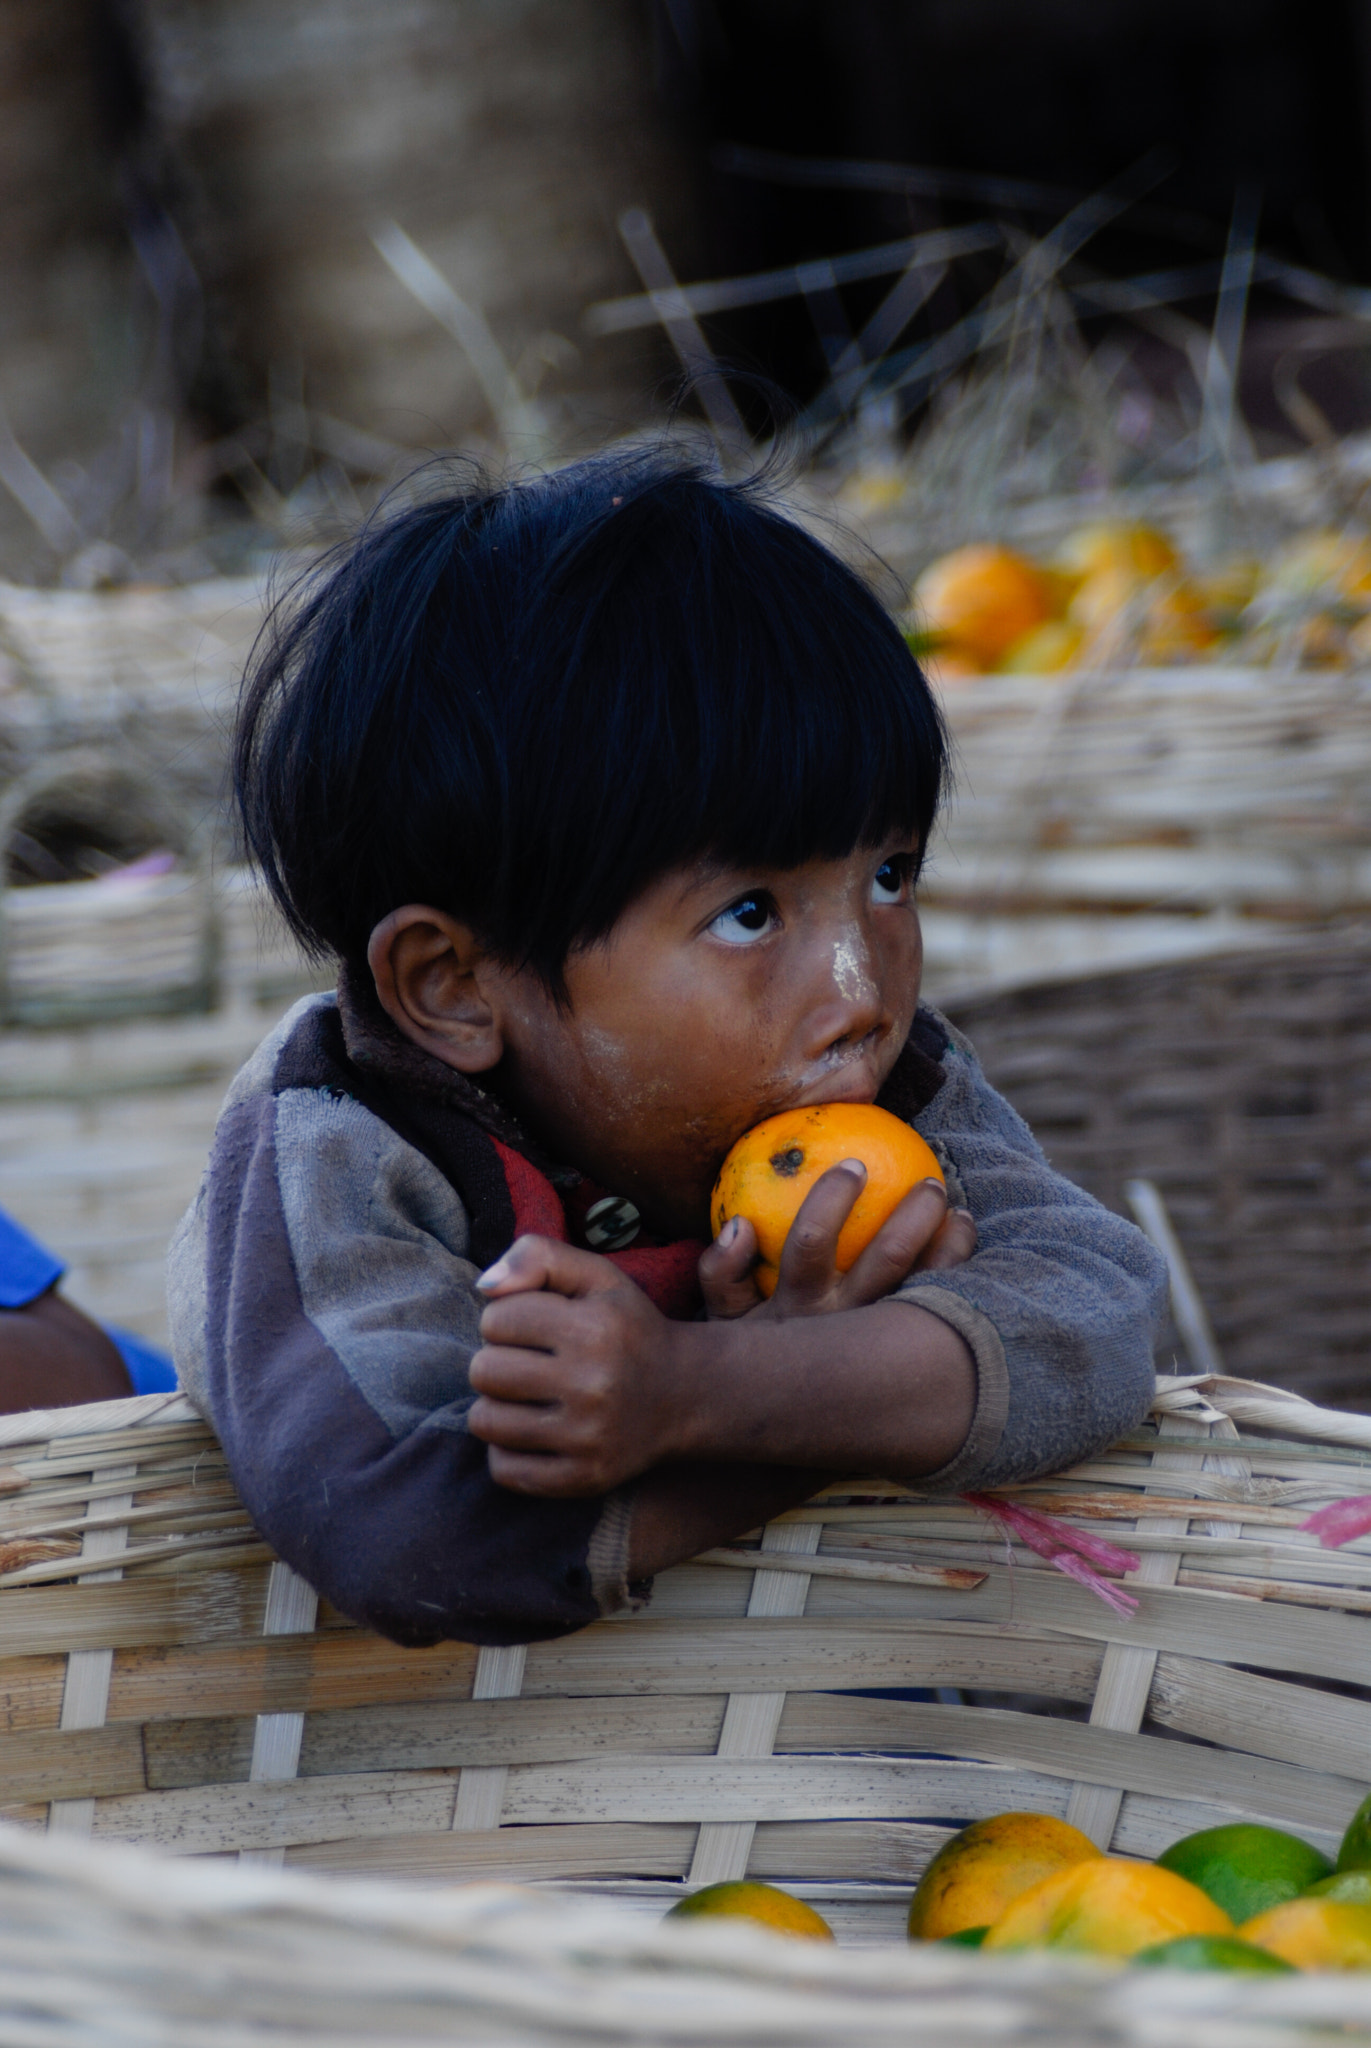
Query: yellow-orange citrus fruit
[(1044, 651), (1140, 552), (773, 1166), (1109, 1907), (976, 602), (1165, 624), (743, 1899), (1329, 566), (982, 1870), (1314, 1934)]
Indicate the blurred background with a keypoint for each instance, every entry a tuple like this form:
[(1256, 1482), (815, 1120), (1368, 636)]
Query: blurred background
[(1062, 311)]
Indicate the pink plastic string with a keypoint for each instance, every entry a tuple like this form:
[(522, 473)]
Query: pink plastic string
[(1072, 1551), (1341, 1522)]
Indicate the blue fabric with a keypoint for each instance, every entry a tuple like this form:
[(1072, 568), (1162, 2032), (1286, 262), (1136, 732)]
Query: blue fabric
[(26, 1269), (151, 1371)]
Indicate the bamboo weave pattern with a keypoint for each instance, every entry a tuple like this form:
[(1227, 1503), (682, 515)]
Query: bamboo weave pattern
[(166, 1683)]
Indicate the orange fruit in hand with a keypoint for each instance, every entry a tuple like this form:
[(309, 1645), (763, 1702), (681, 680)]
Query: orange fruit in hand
[(1110, 1906), (744, 1899), (976, 602), (773, 1166), (982, 1870)]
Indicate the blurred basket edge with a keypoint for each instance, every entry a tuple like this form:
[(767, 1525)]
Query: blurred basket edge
[(168, 1684), (110, 1944)]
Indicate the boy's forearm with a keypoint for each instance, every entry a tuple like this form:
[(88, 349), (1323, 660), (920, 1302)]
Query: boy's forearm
[(889, 1389), (680, 1510)]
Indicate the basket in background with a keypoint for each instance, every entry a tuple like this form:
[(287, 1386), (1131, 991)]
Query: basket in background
[(1241, 1086)]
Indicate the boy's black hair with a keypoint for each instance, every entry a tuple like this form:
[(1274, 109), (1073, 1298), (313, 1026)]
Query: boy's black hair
[(524, 704)]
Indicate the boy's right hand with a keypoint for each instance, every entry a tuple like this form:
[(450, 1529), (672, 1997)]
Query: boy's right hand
[(921, 1235)]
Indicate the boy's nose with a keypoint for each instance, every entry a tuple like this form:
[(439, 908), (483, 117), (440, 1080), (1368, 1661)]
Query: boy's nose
[(849, 1003)]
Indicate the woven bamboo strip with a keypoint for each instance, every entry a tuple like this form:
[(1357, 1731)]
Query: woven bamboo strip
[(1127, 1670), (738, 1655), (834, 1565), (292, 1610), (771, 1788), (751, 1718), (894, 1852), (1227, 1627), (85, 1695), (527, 1854), (75, 1764), (200, 1607), (440, 1736), (1240, 1710), (278, 1815), (1092, 1752), (481, 1789), (257, 1675)]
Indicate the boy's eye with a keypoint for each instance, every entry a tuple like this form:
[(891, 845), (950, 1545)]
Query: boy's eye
[(748, 919), (890, 884)]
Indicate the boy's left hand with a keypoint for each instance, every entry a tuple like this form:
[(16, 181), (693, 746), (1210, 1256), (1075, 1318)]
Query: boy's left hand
[(577, 1379)]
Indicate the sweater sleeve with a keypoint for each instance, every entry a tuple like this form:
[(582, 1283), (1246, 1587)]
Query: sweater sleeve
[(324, 1319), (1060, 1304)]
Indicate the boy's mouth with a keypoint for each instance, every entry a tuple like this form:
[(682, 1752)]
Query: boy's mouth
[(850, 1073)]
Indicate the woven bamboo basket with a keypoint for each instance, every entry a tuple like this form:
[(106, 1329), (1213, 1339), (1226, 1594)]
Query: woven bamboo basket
[(167, 1683), (1240, 1085)]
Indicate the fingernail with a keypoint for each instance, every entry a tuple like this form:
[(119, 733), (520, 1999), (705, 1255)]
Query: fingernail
[(964, 1212), (494, 1275), (934, 1180), (853, 1166), (729, 1233)]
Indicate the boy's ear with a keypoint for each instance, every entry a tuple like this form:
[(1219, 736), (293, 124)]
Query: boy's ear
[(429, 972)]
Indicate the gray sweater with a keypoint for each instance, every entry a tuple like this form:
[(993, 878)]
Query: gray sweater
[(324, 1316)]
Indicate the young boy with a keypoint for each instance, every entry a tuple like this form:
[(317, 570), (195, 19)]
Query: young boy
[(609, 793)]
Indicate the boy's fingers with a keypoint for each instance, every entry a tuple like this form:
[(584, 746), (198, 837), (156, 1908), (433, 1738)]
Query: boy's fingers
[(536, 1262), (952, 1245), (808, 1254), (552, 1477), (894, 1250), (541, 1321), (517, 1425), (504, 1373), (726, 1272)]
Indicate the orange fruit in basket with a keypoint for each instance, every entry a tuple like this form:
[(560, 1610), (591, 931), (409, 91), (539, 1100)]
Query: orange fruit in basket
[(976, 602), (1044, 651), (1166, 624), (1246, 1868), (1116, 546), (1314, 1934), (982, 1870), (773, 1166), (743, 1899), (1112, 1906)]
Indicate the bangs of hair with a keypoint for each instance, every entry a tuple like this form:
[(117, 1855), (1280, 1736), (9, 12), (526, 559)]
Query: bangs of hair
[(524, 706)]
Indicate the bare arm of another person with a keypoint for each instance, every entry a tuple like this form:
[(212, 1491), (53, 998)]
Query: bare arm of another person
[(53, 1356)]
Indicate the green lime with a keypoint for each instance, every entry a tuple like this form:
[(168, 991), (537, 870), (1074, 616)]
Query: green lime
[(1348, 1887), (1245, 1868), (965, 1937), (1209, 1952), (1355, 1853)]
